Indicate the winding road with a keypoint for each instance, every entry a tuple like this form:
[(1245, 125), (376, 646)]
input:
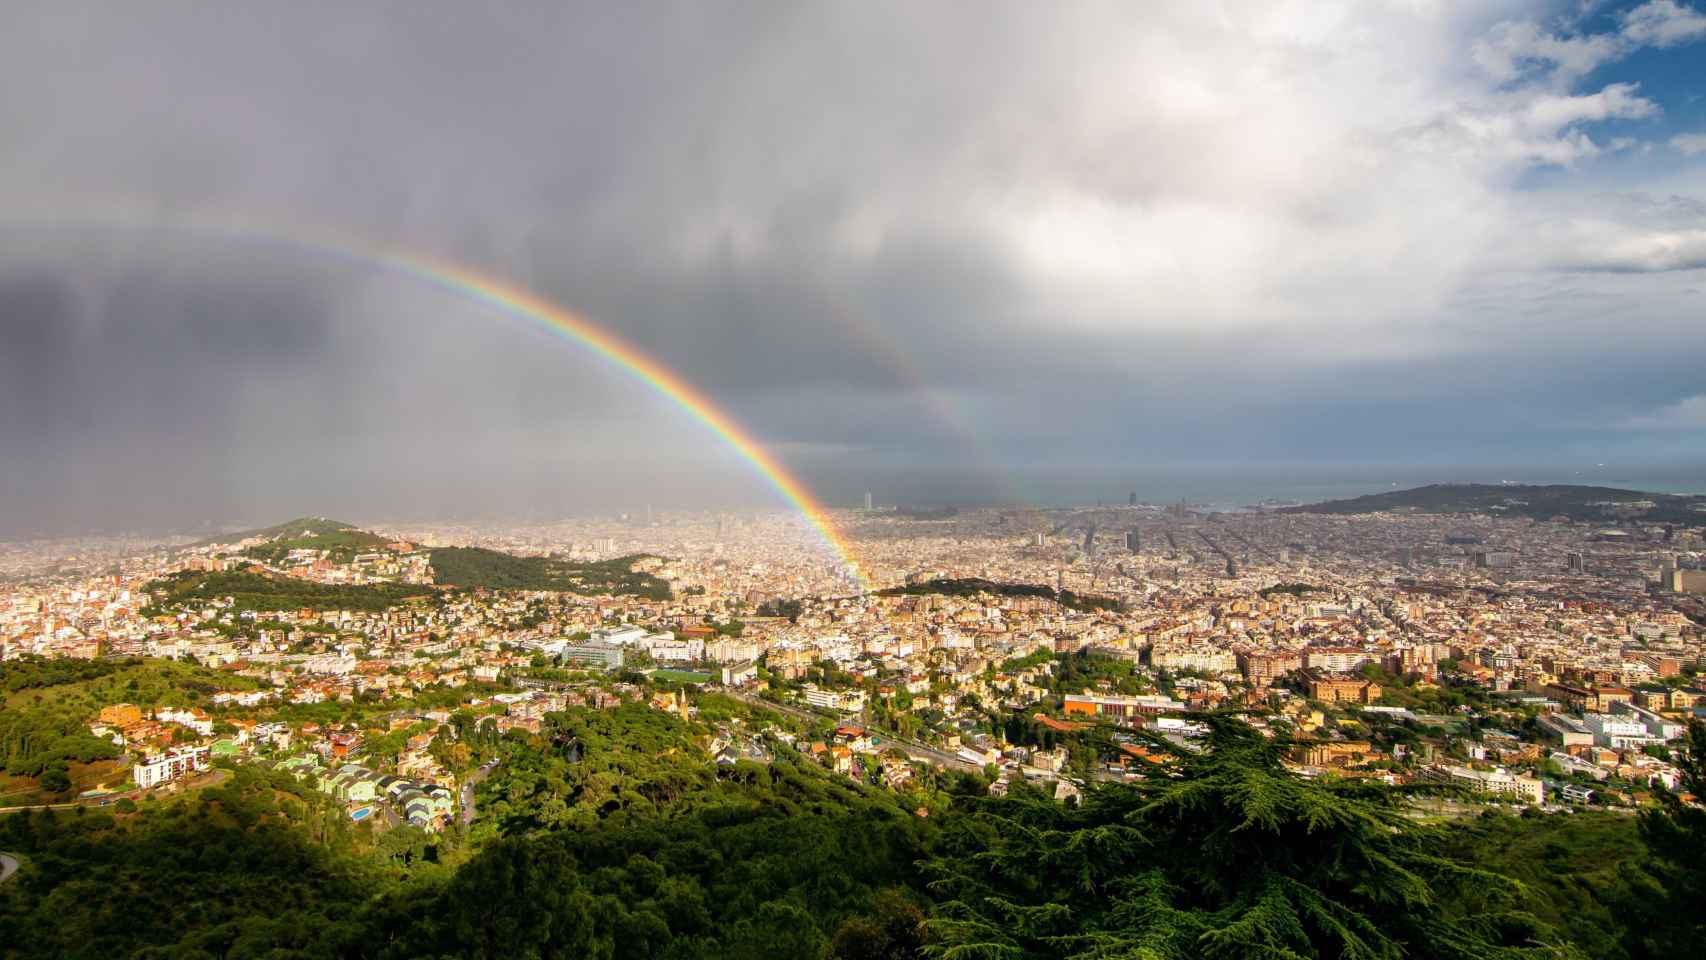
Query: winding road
[(468, 790)]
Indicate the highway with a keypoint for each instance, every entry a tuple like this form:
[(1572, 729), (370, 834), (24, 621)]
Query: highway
[(916, 751)]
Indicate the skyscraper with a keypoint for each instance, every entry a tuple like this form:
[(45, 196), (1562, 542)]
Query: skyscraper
[(1132, 500), (867, 501), (1133, 541)]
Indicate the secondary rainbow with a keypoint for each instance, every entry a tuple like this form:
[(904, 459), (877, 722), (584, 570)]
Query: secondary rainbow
[(509, 298)]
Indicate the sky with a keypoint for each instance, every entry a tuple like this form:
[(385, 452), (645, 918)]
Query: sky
[(999, 253)]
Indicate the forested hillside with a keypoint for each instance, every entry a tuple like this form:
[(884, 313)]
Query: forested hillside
[(610, 834), (250, 589), (495, 570), (47, 703)]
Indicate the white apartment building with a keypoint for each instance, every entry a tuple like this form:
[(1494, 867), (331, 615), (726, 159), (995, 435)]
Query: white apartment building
[(848, 701), (1501, 782), (171, 765)]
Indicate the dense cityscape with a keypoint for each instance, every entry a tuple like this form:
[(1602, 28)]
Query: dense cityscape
[(1545, 662), (832, 481)]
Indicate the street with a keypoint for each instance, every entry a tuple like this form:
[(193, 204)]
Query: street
[(468, 789)]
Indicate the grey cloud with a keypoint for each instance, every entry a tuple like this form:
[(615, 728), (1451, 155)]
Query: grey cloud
[(897, 241)]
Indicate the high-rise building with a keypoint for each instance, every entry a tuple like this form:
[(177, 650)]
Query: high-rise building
[(867, 501), (1573, 562), (1133, 542), (1132, 500)]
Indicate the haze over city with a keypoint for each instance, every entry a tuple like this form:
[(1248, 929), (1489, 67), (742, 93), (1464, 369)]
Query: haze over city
[(1035, 258)]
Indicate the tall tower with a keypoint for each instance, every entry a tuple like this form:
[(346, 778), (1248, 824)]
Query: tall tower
[(1133, 541), (1132, 500), (867, 501)]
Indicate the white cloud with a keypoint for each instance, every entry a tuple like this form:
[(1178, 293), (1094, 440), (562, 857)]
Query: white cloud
[(1691, 144), (1663, 23), (1649, 253), (1514, 48), (1519, 49), (1616, 101), (1689, 413), (1534, 127)]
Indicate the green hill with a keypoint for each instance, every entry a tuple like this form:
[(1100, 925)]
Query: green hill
[(340, 544), (1540, 502), (252, 590), (475, 567), (46, 705), (301, 526), (971, 586)]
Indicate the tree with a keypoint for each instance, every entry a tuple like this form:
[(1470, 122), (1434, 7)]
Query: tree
[(55, 777), (1671, 885), (896, 931), (1220, 853)]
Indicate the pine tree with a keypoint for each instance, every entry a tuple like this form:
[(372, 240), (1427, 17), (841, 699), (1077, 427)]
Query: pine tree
[(1668, 890), (1220, 853)]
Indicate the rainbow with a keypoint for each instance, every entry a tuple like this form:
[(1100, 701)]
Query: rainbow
[(509, 298)]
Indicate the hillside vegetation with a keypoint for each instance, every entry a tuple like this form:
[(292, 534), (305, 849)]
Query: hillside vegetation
[(475, 567), (340, 545), (251, 589), (969, 586), (610, 835), (48, 704), (301, 526)]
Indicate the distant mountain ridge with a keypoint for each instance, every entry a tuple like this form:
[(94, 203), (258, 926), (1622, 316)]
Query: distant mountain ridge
[(1584, 504)]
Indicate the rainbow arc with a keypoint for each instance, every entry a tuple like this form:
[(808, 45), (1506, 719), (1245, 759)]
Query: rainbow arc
[(508, 298)]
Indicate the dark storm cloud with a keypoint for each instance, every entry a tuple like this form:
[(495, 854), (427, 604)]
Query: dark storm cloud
[(896, 242)]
